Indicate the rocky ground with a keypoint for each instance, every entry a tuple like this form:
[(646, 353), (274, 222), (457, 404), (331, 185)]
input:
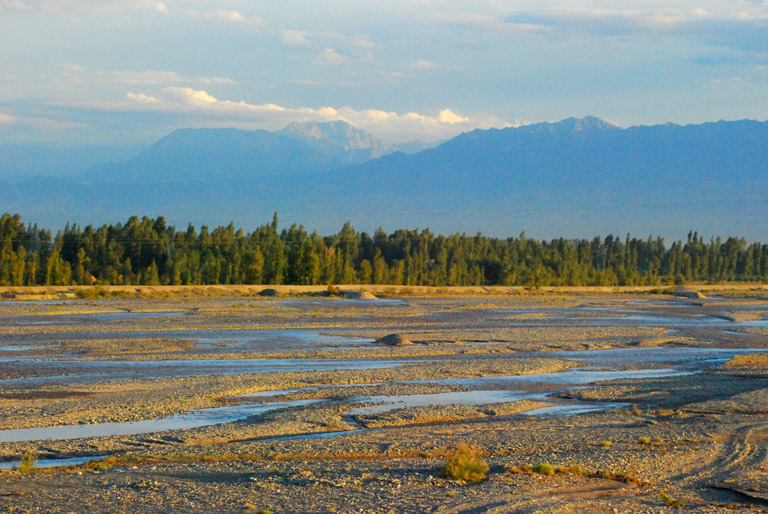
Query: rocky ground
[(697, 442)]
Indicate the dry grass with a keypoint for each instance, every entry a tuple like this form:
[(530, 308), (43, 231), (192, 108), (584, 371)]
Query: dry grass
[(548, 469), (752, 359), (101, 291), (270, 456)]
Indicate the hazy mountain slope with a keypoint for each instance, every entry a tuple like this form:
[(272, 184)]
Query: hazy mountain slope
[(219, 154), (412, 147), (570, 160), (29, 160), (572, 178)]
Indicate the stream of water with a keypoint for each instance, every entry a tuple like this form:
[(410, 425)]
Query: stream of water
[(601, 365), (217, 415)]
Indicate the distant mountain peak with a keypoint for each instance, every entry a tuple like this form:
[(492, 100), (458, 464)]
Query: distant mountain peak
[(321, 130), (566, 126), (584, 124), (339, 139)]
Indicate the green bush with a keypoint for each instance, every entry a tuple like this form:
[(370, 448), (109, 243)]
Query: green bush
[(544, 469), (464, 463), (28, 463)]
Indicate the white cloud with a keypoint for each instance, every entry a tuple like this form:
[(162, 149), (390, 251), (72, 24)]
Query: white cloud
[(145, 77), (423, 65), (333, 56), (79, 5), (226, 16), (156, 77), (223, 15), (308, 82), (329, 48), (192, 96), (364, 56), (620, 19), (726, 82), (330, 56), (640, 19), (13, 5), (392, 77), (358, 40), (141, 98), (208, 110), (450, 117), (295, 38), (69, 66), (736, 24), (487, 22), (81, 75)]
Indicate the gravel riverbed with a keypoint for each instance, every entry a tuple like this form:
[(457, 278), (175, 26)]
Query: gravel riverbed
[(695, 432)]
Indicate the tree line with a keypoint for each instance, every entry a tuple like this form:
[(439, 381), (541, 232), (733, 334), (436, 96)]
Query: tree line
[(150, 252)]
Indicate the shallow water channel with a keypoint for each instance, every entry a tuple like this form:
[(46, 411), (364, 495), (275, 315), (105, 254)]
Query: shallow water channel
[(612, 317), (187, 420), (601, 365), (90, 371), (504, 389)]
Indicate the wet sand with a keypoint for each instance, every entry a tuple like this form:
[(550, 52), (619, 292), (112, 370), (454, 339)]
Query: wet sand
[(685, 411)]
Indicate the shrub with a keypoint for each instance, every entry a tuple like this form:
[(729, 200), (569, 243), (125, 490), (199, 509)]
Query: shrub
[(103, 465), (544, 469), (464, 463), (644, 440), (605, 444), (28, 463)]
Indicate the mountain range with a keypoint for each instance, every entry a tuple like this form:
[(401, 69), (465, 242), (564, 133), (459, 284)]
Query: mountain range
[(574, 178)]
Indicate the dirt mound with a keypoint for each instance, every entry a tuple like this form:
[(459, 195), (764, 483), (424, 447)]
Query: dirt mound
[(358, 295), (395, 340), (682, 292)]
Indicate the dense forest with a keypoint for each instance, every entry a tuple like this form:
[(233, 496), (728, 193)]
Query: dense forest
[(148, 251)]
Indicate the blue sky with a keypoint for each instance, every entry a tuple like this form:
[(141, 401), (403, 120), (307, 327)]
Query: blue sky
[(130, 71)]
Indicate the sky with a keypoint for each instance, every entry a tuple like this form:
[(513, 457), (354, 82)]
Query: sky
[(130, 71)]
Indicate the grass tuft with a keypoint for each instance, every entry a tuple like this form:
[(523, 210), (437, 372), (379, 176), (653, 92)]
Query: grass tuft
[(465, 464), (669, 501)]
